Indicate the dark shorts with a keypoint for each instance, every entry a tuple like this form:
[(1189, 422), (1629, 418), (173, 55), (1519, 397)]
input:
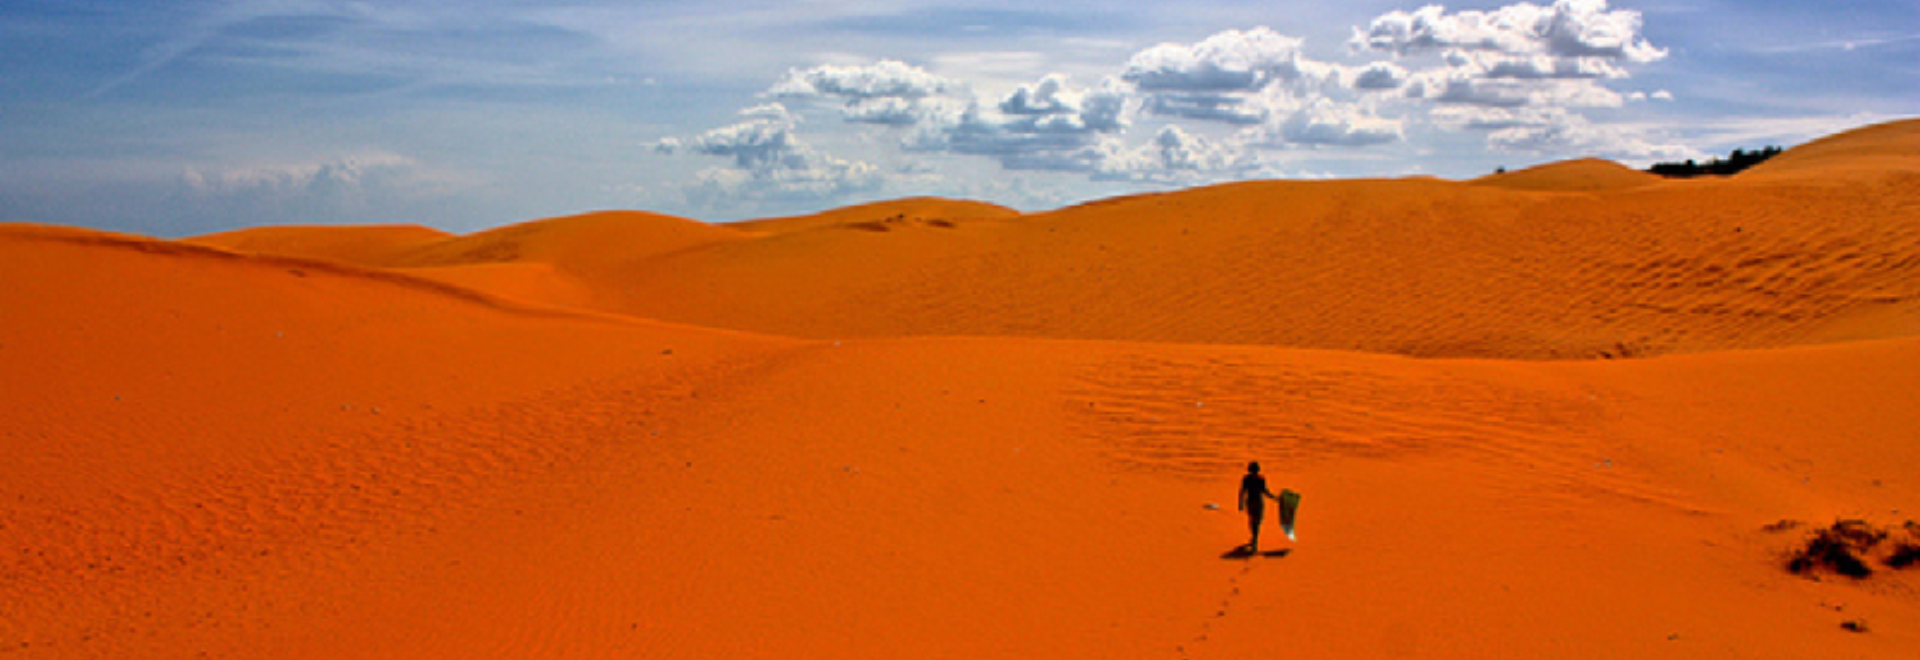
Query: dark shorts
[(1256, 512)]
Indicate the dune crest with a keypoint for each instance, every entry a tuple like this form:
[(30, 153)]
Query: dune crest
[(880, 216), (1629, 267), (1887, 146), (1583, 174), (370, 245), (1583, 259)]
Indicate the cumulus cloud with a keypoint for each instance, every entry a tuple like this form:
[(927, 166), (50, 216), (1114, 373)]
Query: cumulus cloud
[(1568, 132), (1327, 123), (887, 110), (1173, 156), (362, 184), (1518, 72), (1227, 108), (771, 162), (1220, 107), (886, 78), (764, 140), (1540, 67), (335, 172), (1050, 96), (886, 93), (1045, 142), (1456, 87), (1551, 130), (1260, 79), (1568, 28), (1380, 76), (1049, 125), (1228, 61), (1105, 109), (820, 178)]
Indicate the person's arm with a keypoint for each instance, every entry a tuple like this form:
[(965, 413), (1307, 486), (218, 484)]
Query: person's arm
[(1240, 501)]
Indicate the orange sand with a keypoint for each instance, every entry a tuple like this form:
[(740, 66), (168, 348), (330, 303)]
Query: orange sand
[(941, 429)]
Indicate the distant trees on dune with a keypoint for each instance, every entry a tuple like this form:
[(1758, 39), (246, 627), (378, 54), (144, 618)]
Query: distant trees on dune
[(1738, 160)]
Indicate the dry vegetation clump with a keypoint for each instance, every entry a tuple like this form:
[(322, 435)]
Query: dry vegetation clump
[(1847, 546), (1906, 552)]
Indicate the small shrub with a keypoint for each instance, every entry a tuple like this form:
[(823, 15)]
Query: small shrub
[(1734, 162), (1904, 555), (1838, 548), (1858, 533), (1783, 525)]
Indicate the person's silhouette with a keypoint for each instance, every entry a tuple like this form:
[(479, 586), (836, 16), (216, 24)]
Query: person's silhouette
[(1253, 488)]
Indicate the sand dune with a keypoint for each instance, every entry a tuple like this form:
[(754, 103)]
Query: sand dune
[(370, 245), (1572, 175), (1574, 260), (387, 442), (1883, 146), (883, 216)]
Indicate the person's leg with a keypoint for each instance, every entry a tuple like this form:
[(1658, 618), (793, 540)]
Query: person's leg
[(1253, 525)]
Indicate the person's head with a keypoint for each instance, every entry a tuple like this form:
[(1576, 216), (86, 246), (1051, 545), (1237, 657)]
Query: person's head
[(1253, 467)]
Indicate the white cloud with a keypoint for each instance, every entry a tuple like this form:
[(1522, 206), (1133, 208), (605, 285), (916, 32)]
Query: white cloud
[(1232, 105), (1380, 76), (1227, 61), (886, 110), (1105, 108), (1541, 67), (1018, 142), (1227, 108), (1239, 78), (771, 163), (885, 93), (1047, 97), (818, 178), (883, 79), (765, 140), (1557, 131), (1324, 122), (1173, 157), (358, 185), (1446, 86), (1568, 29), (331, 177), (1048, 125), (1518, 72)]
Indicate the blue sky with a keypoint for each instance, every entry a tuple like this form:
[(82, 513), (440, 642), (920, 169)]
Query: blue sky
[(175, 118)]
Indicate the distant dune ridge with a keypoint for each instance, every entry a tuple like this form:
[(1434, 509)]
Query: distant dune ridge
[(1570, 260), (1571, 411), (1586, 174)]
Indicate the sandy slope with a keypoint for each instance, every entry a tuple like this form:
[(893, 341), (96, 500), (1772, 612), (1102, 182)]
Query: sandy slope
[(1585, 174), (1581, 259), (219, 455), (366, 244)]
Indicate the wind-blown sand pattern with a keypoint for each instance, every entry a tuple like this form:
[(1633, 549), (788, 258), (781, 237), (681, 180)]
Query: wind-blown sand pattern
[(1555, 412)]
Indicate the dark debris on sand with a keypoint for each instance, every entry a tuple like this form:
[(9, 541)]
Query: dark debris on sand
[(1848, 546)]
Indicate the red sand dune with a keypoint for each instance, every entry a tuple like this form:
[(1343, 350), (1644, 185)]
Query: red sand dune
[(1574, 260), (1586, 174), (883, 216), (939, 429), (369, 244)]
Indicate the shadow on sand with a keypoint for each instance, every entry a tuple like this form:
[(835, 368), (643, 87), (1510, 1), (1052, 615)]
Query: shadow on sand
[(1247, 552)]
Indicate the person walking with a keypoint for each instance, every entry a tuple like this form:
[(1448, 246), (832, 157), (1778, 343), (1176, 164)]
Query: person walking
[(1253, 490)]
